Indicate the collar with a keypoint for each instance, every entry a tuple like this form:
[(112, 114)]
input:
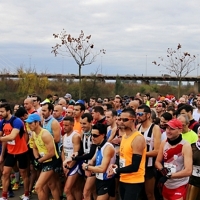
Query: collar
[(48, 119), (59, 119), (87, 133), (176, 141), (101, 145)]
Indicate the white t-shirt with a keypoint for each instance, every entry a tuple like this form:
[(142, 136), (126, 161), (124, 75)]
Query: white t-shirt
[(196, 114)]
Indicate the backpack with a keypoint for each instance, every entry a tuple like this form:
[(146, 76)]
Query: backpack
[(21, 131)]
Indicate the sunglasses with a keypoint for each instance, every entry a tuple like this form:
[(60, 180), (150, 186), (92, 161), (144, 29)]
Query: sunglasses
[(95, 135), (140, 114), (125, 119)]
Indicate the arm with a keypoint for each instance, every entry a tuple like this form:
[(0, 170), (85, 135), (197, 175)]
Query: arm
[(138, 145), (56, 131), (157, 141), (159, 159), (187, 154), (11, 136), (88, 155), (108, 153), (35, 151), (112, 135), (49, 143)]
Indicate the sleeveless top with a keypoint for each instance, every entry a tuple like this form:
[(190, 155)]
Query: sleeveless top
[(148, 135), (42, 150), (126, 153), (17, 145), (174, 161), (47, 126), (68, 146), (99, 158)]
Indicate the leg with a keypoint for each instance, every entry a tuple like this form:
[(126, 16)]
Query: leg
[(41, 182), (149, 188), (69, 186), (25, 177), (89, 187), (6, 178), (192, 192), (53, 187), (103, 197)]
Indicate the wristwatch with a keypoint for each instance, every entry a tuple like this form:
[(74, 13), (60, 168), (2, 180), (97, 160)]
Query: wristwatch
[(86, 167)]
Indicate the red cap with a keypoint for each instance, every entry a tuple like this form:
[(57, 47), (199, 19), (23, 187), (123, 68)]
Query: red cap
[(175, 123)]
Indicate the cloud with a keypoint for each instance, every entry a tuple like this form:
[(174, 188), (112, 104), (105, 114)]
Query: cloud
[(134, 33)]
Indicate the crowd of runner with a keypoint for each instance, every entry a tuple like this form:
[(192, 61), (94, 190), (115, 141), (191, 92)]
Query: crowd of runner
[(129, 148)]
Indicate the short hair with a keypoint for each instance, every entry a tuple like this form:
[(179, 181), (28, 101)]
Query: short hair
[(113, 112), (145, 108), (82, 106), (186, 107), (102, 128), (138, 99), (171, 108), (6, 106), (49, 96), (108, 105), (130, 111), (49, 106), (167, 116), (21, 112), (88, 116), (93, 98), (187, 121), (68, 118), (120, 99), (98, 109)]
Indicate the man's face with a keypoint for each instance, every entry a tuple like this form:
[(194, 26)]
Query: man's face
[(3, 113), (77, 111), (117, 103), (109, 118), (163, 122), (85, 125), (126, 120), (57, 112), (172, 133), (159, 108), (16, 107), (69, 112), (142, 116), (184, 112), (45, 111), (92, 102), (198, 102), (27, 104), (95, 115), (152, 102), (96, 137), (33, 126), (67, 126)]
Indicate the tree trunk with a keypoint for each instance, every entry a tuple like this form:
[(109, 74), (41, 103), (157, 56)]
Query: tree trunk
[(179, 88), (80, 86)]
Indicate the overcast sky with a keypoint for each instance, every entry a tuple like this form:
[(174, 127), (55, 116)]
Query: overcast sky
[(134, 33)]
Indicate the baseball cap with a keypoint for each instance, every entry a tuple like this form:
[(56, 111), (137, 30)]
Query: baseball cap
[(175, 123), (80, 101), (68, 96), (32, 118)]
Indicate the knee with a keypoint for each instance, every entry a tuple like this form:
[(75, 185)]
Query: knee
[(86, 192), (67, 191), (5, 174)]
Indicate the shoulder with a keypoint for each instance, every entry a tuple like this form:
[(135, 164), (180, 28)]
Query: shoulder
[(46, 134), (186, 146), (17, 122)]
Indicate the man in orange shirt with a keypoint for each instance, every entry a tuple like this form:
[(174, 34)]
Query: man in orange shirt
[(79, 109), (12, 130)]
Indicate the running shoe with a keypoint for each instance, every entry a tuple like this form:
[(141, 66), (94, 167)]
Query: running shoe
[(16, 186), (11, 194)]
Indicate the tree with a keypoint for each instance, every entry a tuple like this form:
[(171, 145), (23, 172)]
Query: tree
[(177, 62), (80, 48)]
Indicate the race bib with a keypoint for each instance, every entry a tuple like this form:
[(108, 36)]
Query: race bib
[(122, 162), (196, 171), (41, 154), (99, 176), (170, 167), (12, 142)]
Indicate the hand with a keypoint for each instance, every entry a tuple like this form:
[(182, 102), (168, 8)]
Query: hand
[(67, 162), (164, 171), (110, 170), (161, 183), (84, 165), (36, 163), (1, 159), (75, 154), (66, 171), (88, 173)]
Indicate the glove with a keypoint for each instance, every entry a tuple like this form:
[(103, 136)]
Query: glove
[(164, 171), (37, 164)]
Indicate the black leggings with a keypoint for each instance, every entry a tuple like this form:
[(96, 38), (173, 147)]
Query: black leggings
[(130, 190)]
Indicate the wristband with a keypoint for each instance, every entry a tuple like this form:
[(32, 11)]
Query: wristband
[(114, 170)]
